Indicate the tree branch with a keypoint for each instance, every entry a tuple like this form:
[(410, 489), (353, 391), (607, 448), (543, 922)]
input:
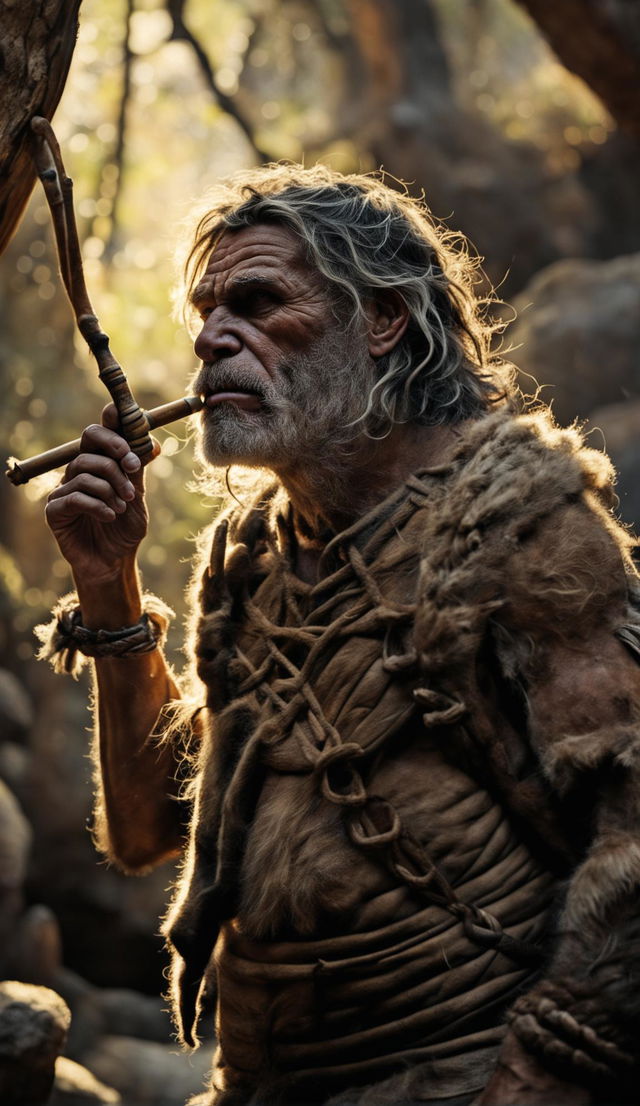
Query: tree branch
[(594, 46), (181, 33), (117, 156)]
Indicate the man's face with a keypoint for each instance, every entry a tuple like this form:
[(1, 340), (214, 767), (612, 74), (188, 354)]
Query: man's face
[(281, 376)]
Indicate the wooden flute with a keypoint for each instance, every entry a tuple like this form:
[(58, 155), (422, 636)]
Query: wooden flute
[(20, 472)]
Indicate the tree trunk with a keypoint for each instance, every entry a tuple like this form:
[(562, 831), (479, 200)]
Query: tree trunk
[(600, 42), (38, 39), (494, 191)]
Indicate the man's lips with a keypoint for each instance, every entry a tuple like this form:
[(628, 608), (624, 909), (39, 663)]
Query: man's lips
[(247, 401)]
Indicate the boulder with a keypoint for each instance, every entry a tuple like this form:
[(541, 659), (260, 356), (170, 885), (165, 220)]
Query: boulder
[(15, 765), (98, 1012), (75, 1086), (33, 1028), (16, 710), (150, 1074), (578, 334), (131, 1014), (616, 428), (36, 955), (15, 842)]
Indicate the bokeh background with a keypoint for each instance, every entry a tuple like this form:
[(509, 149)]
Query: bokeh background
[(464, 100)]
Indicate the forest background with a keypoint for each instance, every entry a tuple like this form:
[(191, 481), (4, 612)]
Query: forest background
[(531, 151)]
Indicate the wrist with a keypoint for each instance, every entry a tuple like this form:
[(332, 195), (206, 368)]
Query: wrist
[(110, 602), (67, 640)]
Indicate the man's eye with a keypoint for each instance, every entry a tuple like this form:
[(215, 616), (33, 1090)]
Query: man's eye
[(256, 302)]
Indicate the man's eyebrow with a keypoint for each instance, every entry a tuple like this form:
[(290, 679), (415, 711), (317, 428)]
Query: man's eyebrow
[(200, 293), (243, 283), (240, 284)]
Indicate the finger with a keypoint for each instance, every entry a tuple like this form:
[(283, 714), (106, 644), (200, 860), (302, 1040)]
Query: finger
[(110, 416), (110, 419), (96, 464), (99, 439), (137, 476), (93, 486), (60, 511)]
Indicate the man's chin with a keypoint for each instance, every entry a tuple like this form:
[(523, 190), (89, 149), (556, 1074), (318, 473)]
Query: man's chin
[(220, 446)]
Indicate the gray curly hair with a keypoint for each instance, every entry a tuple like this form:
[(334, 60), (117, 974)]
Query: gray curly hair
[(365, 237)]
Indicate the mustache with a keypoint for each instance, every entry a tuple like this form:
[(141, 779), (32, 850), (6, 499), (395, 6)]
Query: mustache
[(222, 377)]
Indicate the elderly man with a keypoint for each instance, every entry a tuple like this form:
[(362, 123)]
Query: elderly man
[(404, 772)]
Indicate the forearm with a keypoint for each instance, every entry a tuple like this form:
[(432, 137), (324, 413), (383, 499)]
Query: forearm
[(137, 817)]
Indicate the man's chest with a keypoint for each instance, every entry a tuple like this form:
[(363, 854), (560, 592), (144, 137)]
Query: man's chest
[(306, 873), (350, 776)]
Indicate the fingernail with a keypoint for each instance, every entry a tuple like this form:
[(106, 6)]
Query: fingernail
[(128, 491), (131, 462)]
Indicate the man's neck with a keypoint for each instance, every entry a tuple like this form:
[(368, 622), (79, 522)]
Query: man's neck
[(332, 497)]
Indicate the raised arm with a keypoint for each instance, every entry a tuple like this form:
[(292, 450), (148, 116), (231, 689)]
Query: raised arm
[(98, 517)]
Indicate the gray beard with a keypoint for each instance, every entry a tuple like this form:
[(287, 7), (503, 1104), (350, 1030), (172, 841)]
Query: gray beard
[(306, 421)]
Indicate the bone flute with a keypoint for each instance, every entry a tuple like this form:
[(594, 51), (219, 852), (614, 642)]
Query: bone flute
[(20, 472)]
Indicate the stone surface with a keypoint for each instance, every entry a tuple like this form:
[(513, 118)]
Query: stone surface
[(33, 1027), (36, 955), (578, 333), (616, 428), (15, 764), (15, 841), (150, 1074), (98, 1012), (75, 1086), (16, 710)]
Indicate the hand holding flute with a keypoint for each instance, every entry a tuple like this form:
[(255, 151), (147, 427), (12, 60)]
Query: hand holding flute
[(20, 472), (98, 514)]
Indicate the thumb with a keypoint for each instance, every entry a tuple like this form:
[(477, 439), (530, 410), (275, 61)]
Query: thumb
[(136, 475), (110, 418)]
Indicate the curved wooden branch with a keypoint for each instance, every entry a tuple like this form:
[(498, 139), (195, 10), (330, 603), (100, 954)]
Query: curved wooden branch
[(58, 189)]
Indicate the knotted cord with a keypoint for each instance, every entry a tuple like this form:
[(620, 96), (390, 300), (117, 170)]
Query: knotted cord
[(372, 822)]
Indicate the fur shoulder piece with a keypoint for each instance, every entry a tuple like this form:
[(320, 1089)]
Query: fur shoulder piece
[(512, 476)]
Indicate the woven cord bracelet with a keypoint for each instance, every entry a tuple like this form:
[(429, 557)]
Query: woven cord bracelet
[(66, 641), (142, 637)]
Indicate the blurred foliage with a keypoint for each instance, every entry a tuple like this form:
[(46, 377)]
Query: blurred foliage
[(286, 65), (504, 69)]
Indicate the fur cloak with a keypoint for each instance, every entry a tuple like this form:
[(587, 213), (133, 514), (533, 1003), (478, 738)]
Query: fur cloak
[(501, 598)]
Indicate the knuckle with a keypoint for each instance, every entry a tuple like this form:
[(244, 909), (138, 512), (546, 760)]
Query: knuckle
[(76, 467), (91, 431)]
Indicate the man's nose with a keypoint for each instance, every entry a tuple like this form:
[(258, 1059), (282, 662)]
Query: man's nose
[(217, 338)]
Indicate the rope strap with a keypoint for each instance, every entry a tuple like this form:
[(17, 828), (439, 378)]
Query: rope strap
[(544, 1022), (65, 637)]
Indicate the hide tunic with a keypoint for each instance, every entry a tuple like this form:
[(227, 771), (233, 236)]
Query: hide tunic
[(378, 830)]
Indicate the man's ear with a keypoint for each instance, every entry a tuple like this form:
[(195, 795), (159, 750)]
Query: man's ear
[(387, 318)]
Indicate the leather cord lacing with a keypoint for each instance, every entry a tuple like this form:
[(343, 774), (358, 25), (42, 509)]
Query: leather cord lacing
[(371, 821)]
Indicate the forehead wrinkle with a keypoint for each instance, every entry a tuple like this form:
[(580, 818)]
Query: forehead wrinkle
[(204, 290), (247, 256)]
